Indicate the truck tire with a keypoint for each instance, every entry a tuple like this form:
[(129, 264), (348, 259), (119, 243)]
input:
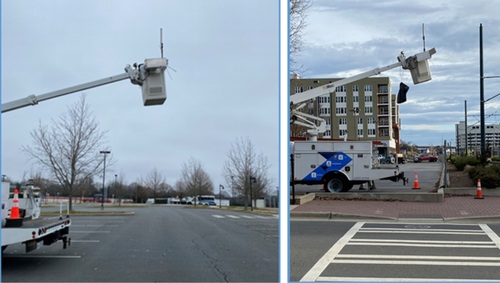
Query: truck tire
[(337, 184)]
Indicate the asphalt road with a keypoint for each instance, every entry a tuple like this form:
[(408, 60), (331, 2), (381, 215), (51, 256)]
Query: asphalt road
[(428, 174), (158, 243), (359, 251)]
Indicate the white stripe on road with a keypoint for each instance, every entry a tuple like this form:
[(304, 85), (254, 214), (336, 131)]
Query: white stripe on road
[(423, 241), (375, 279), (217, 216), (396, 230), (469, 232), (432, 257), (493, 236), (323, 262), (415, 262), (233, 216), (424, 245)]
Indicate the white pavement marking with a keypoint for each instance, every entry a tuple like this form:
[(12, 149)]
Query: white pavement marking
[(493, 236), (432, 257), (397, 230), (233, 216), (218, 216), (416, 262), (423, 245), (375, 279), (323, 262), (423, 241)]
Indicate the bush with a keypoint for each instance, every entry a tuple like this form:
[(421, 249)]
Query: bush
[(461, 161), (489, 175)]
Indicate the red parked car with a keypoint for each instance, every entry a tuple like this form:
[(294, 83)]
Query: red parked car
[(426, 157)]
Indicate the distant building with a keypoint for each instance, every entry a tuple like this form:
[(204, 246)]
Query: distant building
[(491, 134), (362, 110)]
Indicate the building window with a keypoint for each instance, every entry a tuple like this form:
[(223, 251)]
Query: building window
[(368, 98), (355, 98), (341, 110), (369, 110), (341, 99), (383, 89), (371, 132), (368, 88), (298, 89), (360, 120), (355, 88), (343, 121), (360, 133), (341, 88), (370, 120), (342, 132)]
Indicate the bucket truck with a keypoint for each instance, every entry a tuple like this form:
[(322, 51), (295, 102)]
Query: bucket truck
[(338, 165), (21, 221)]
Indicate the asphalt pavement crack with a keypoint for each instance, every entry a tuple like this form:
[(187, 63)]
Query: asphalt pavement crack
[(213, 261)]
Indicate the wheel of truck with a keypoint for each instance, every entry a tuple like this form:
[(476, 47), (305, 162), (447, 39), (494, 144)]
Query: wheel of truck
[(338, 184)]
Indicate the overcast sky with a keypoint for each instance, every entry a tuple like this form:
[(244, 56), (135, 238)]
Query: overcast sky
[(344, 38), (226, 86)]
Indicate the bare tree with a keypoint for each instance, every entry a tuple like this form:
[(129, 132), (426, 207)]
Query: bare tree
[(69, 149), (155, 181), (298, 22), (243, 166), (195, 179)]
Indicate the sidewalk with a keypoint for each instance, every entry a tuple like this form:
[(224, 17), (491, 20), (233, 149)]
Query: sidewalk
[(454, 208)]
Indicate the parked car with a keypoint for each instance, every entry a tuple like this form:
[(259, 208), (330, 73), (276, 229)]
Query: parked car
[(426, 157), (386, 159)]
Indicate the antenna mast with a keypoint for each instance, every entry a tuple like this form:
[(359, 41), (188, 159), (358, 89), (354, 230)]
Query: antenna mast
[(161, 42), (423, 36)]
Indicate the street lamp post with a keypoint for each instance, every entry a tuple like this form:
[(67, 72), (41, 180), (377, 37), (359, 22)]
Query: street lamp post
[(105, 152), (252, 179), (221, 187)]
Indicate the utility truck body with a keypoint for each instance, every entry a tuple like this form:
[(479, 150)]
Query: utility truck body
[(29, 228), (339, 165)]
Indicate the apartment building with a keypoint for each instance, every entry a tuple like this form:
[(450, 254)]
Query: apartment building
[(491, 134), (362, 110)]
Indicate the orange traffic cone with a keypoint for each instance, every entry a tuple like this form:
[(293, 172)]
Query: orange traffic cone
[(479, 191), (15, 219), (14, 212), (416, 186)]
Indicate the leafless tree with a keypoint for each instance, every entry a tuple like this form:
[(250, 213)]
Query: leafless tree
[(195, 179), (243, 166), (69, 148), (298, 22), (155, 181)]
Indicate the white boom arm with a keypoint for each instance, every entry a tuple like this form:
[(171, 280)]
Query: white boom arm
[(417, 65), (148, 75)]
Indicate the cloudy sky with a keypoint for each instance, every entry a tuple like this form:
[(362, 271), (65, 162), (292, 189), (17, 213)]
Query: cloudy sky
[(225, 87), (344, 38)]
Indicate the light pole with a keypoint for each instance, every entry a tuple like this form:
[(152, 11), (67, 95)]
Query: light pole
[(105, 152), (114, 187), (252, 179), (221, 187)]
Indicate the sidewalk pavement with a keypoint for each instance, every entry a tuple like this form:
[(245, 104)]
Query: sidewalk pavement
[(453, 208)]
